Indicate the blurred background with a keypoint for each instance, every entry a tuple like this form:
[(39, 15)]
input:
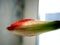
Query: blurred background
[(49, 10), (14, 10)]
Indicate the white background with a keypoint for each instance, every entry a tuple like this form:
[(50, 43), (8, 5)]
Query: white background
[(49, 7)]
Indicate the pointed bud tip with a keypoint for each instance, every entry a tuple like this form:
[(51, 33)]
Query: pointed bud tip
[(10, 28), (17, 24)]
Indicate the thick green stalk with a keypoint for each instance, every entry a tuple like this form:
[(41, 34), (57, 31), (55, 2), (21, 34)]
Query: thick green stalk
[(49, 26)]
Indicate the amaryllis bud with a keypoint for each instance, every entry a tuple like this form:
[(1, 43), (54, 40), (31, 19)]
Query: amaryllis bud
[(31, 27)]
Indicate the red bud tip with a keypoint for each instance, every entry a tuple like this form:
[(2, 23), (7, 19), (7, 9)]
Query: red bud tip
[(18, 24), (10, 28)]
